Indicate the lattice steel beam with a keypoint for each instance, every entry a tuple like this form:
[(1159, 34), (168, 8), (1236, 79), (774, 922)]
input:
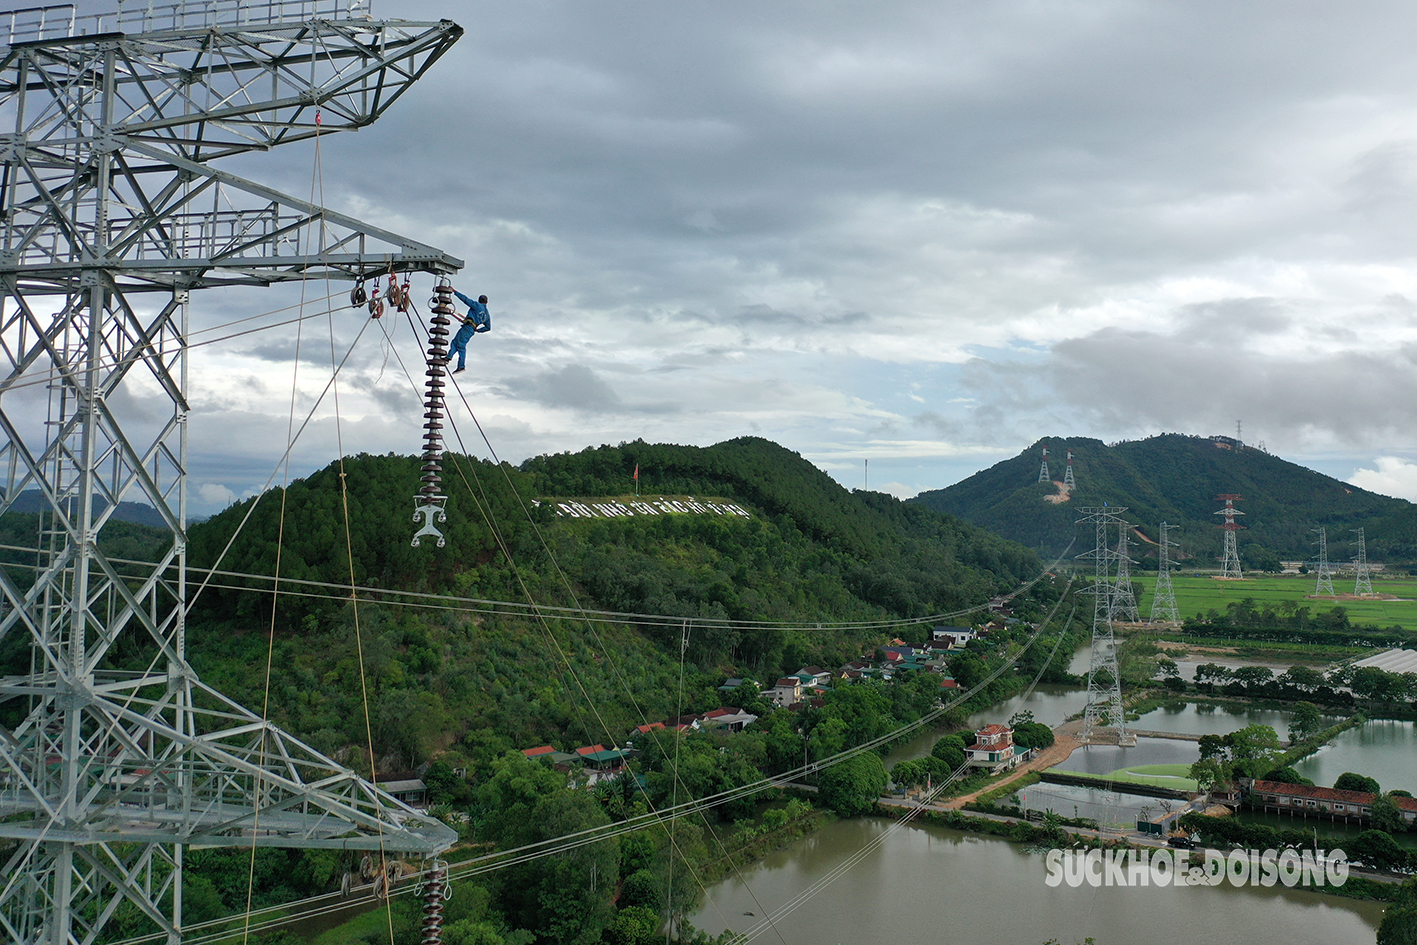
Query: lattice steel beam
[(107, 196)]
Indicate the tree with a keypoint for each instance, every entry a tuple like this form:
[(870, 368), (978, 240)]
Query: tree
[(1302, 677), (1306, 721), (852, 786), (1377, 849), (1208, 772), (1253, 676), (1399, 926), (907, 774), (968, 670), (1213, 746), (1350, 781), (1385, 814), (1033, 735), (633, 925), (566, 897), (950, 750), (1251, 749), (1287, 775)]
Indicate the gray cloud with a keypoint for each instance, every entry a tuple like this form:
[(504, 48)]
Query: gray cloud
[(696, 221), (573, 387)]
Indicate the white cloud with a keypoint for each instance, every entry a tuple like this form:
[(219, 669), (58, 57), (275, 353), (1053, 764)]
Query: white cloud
[(1394, 477), (215, 495)]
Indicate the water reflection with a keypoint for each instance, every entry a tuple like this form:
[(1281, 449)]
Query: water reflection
[(1380, 748), (928, 884), (1101, 759)]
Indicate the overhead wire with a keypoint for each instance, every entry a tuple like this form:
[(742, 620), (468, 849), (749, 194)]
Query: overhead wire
[(484, 505), (527, 852), (580, 613)]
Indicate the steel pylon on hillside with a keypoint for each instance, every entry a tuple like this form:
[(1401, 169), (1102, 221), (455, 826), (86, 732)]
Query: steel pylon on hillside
[(112, 215), (1104, 680), (1043, 470), (1324, 583), (1163, 602)]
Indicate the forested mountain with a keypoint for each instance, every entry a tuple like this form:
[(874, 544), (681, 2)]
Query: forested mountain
[(139, 513), (452, 682), (1175, 478), (808, 551)]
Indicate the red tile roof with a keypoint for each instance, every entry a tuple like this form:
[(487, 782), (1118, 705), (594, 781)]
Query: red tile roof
[(1317, 793), (994, 728), (537, 752), (590, 749)]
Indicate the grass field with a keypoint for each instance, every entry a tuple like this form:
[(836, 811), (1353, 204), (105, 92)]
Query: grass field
[(1167, 776), (1199, 594)]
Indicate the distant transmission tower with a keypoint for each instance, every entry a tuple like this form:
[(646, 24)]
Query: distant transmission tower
[(1068, 475), (1124, 602), (1104, 681), (1043, 471), (1230, 563), (1324, 585), (1163, 603), (1362, 583)]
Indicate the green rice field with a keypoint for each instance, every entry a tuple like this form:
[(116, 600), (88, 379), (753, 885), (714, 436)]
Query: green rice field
[(1200, 594)]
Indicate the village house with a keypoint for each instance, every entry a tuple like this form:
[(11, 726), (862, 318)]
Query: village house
[(727, 720), (994, 749), (951, 637), (560, 760), (786, 691), (814, 676), (412, 792)]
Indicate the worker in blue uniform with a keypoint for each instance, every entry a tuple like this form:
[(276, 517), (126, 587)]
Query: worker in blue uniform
[(476, 320)]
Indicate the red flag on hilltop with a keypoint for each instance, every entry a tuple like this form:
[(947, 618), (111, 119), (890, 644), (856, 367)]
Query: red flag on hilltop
[(637, 472)]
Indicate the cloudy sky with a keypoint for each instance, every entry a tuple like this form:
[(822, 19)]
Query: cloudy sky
[(923, 234)]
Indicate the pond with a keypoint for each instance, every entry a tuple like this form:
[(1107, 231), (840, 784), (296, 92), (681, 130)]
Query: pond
[(930, 884)]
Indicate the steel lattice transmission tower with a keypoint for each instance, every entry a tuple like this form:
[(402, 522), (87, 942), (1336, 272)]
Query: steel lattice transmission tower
[(1230, 561), (1362, 580), (1068, 472), (1043, 470), (1163, 602), (1324, 584), (1104, 681), (112, 213), (1124, 601)]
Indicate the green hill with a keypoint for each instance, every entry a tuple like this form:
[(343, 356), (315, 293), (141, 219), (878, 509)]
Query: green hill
[(454, 674), (1175, 478)]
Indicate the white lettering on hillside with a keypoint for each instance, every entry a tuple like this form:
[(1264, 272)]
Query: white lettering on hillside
[(647, 506)]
